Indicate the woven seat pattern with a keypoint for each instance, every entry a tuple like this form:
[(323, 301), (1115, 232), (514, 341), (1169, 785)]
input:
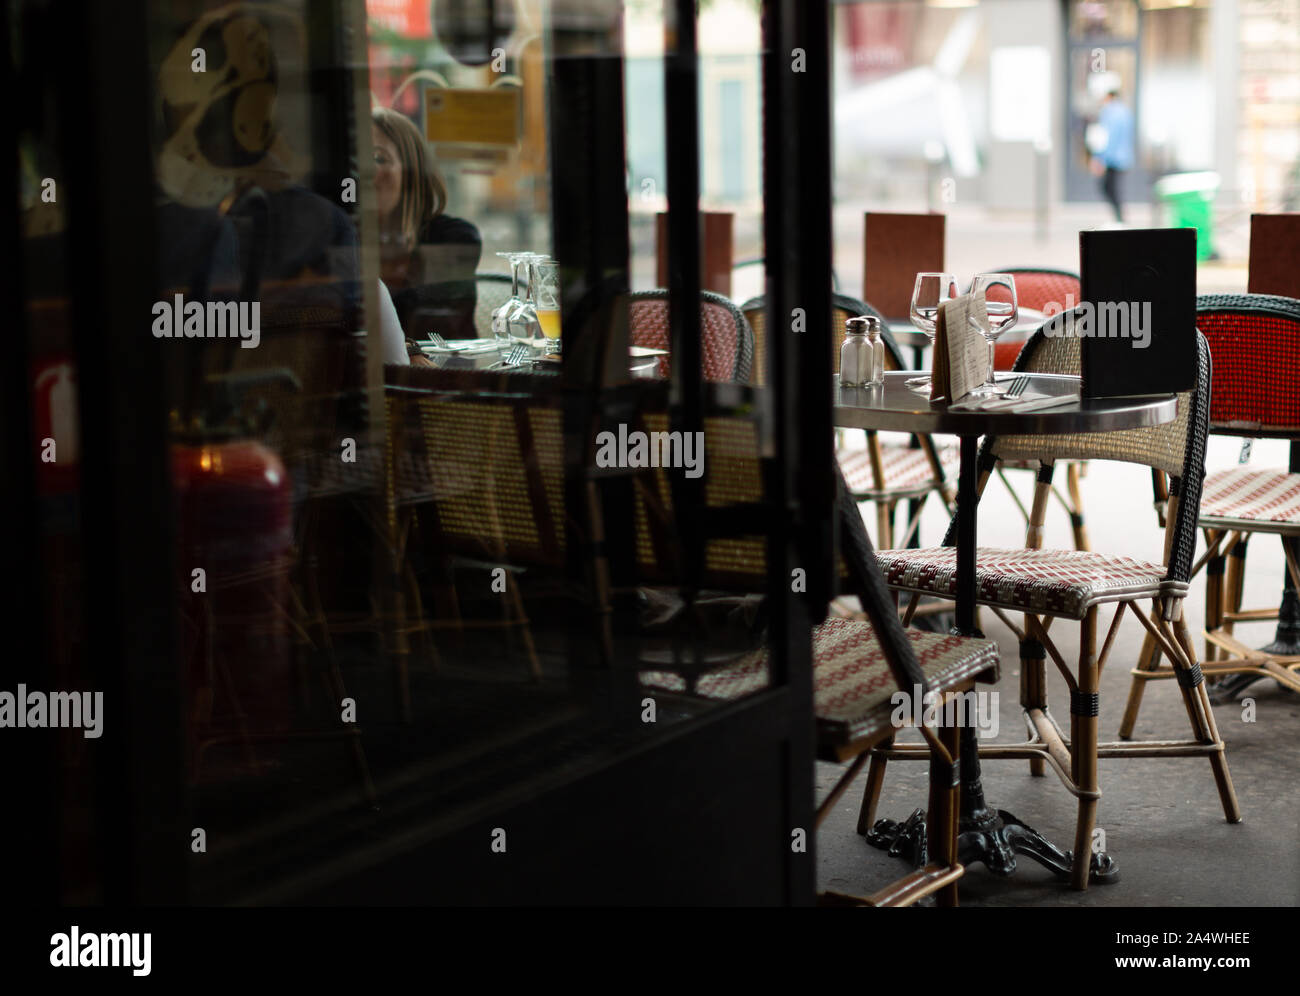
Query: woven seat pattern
[(906, 470), (1055, 582), (852, 681), (1242, 496)]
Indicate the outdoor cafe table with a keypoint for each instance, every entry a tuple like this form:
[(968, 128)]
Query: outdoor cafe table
[(987, 834)]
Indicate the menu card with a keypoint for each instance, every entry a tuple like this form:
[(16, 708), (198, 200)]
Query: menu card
[(1274, 249), (896, 248), (961, 353), (1137, 328)]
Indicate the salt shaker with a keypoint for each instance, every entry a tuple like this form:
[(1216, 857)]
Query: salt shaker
[(862, 356)]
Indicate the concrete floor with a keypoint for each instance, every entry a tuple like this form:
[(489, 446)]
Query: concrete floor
[(1163, 822)]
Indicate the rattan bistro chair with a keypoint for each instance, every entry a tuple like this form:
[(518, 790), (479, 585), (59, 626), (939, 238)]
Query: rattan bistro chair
[(1046, 290), (476, 481), (857, 666), (727, 341), (882, 473), (1254, 339), (1074, 584)]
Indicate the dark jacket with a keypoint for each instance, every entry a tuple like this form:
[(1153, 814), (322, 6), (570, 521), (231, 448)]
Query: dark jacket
[(438, 293)]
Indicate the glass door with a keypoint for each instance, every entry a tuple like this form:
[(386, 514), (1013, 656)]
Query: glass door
[(363, 591)]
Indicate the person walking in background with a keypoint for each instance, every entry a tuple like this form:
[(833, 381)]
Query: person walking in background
[(1116, 156)]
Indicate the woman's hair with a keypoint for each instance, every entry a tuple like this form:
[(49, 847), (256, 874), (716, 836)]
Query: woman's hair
[(423, 195)]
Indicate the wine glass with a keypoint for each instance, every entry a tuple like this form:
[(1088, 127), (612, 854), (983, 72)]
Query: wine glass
[(501, 315), (930, 291), (547, 300), (522, 325), (998, 292)]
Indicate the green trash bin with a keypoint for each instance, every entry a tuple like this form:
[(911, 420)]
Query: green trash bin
[(1189, 203)]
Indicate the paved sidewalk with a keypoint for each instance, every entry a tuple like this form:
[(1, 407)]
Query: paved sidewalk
[(1162, 818)]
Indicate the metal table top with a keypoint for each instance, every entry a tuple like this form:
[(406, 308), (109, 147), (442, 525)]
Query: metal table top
[(896, 407)]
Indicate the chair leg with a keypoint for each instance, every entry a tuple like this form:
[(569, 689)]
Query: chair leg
[(332, 679), (885, 525), (1033, 687), (521, 618), (1148, 660), (1072, 475), (1192, 685), (942, 825), (871, 792), (1083, 750), (1235, 584), (1214, 593)]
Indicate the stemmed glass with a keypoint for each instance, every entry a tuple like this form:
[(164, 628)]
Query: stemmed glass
[(501, 315), (521, 324), (930, 291), (998, 291)]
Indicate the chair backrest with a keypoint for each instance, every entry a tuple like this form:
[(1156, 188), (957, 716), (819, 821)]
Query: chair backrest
[(493, 291), (315, 343), (843, 307), (1040, 289), (1255, 343), (734, 477), (1176, 447), (485, 468), (727, 343)]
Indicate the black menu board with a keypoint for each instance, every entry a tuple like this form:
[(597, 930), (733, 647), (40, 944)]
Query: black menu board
[(1138, 325)]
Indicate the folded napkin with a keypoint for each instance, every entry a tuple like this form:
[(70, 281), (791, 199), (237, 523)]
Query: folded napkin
[(466, 346), (1027, 402)]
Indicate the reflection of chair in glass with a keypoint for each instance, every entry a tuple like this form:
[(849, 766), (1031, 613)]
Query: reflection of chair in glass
[(1255, 345), (1073, 584), (883, 473), (727, 342), (476, 479), (295, 385), (493, 291), (857, 666), (1044, 289)]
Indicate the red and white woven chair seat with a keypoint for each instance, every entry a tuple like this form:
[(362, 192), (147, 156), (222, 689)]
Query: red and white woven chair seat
[(852, 682), (1260, 500), (907, 471), (1052, 582)]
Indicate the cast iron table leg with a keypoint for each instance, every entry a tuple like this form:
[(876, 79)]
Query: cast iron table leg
[(991, 836)]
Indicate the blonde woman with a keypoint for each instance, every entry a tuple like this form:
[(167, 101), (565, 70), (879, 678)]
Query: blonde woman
[(427, 257)]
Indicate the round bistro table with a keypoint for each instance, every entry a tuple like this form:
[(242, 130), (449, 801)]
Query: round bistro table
[(991, 836)]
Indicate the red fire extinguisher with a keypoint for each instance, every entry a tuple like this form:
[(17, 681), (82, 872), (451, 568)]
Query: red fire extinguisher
[(235, 540)]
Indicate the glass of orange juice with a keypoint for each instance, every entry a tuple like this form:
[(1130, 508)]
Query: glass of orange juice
[(546, 273)]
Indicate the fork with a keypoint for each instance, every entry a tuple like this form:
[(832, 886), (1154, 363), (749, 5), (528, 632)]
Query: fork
[(1017, 387), (515, 358)]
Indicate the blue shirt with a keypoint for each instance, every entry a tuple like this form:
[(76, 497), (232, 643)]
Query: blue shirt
[(1118, 122)]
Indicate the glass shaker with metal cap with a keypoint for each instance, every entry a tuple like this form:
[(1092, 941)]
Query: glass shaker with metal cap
[(862, 356)]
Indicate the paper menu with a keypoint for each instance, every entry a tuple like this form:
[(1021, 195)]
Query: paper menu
[(961, 353)]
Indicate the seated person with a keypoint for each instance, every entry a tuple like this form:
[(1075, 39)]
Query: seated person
[(427, 258)]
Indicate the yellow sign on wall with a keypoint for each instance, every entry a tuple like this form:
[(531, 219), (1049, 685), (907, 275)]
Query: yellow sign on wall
[(471, 117)]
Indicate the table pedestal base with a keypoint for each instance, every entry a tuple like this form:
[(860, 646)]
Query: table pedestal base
[(994, 840)]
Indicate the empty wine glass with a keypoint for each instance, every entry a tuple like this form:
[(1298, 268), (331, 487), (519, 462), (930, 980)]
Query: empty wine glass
[(501, 315), (930, 291), (522, 325), (998, 292)]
